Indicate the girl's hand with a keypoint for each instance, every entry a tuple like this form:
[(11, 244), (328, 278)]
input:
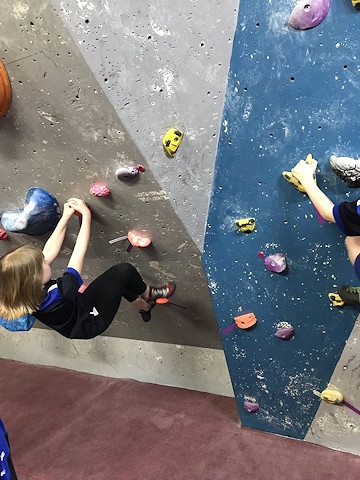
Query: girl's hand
[(68, 210), (79, 206), (304, 171)]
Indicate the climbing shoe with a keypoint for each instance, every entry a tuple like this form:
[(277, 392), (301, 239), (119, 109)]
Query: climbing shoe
[(350, 295), (347, 169), (289, 177), (165, 291)]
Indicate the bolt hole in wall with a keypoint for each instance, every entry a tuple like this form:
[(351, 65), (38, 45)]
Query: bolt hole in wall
[(281, 377)]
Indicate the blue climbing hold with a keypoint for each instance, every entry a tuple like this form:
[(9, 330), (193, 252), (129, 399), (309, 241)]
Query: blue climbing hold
[(40, 214)]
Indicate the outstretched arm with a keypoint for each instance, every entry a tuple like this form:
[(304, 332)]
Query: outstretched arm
[(81, 245), (305, 174), (54, 243)]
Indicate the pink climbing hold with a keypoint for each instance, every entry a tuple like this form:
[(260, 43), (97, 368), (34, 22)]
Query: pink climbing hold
[(276, 263), (285, 333), (99, 190), (308, 14), (3, 235), (251, 407)]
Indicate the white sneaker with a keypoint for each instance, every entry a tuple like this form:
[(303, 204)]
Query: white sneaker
[(346, 168)]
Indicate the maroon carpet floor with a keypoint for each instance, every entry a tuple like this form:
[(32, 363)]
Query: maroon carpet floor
[(65, 425)]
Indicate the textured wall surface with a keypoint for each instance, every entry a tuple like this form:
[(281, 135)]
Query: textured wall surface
[(290, 93), (62, 134), (99, 95), (163, 66)]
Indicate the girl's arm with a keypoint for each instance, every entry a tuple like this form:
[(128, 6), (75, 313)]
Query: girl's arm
[(54, 243), (78, 255), (305, 174)]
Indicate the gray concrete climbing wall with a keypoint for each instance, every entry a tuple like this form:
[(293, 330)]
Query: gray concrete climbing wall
[(163, 65), (100, 94)]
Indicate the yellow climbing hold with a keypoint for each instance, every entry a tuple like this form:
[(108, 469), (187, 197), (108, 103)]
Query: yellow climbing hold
[(332, 396), (246, 225), (336, 300), (289, 177)]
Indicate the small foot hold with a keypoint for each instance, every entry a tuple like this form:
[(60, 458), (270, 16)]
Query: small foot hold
[(245, 321), (336, 299)]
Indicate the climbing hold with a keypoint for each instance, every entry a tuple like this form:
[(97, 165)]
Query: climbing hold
[(308, 14), (289, 177), (251, 407), (128, 173), (246, 225), (5, 90), (285, 333), (40, 214), (336, 300), (3, 235), (276, 263), (347, 169), (139, 239), (245, 321), (164, 301), (172, 140), (99, 190), (261, 254), (356, 4), (332, 396)]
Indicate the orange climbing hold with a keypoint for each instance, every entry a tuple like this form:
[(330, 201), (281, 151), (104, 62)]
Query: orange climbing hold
[(5, 90), (245, 321)]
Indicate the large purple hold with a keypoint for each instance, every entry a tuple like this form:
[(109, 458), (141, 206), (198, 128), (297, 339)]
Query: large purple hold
[(308, 14)]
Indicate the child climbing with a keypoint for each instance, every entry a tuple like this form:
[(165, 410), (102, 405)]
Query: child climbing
[(346, 215), (27, 290)]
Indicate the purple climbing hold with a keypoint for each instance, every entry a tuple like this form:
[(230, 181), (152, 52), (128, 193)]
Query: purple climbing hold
[(251, 407), (308, 14), (276, 263), (285, 333)]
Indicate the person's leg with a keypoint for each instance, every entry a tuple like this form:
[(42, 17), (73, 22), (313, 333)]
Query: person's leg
[(349, 294), (352, 245), (121, 280)]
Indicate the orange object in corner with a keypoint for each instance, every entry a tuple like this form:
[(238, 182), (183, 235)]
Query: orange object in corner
[(5, 90), (245, 321)]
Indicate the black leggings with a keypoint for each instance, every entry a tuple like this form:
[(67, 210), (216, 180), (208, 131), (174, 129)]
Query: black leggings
[(105, 293)]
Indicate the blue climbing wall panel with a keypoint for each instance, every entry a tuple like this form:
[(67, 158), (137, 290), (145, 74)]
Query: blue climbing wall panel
[(289, 93)]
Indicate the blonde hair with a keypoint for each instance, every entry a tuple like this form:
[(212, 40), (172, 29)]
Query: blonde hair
[(21, 281)]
